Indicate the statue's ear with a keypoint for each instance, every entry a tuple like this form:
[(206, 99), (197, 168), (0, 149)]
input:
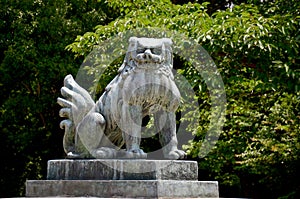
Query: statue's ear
[(132, 48), (133, 39), (167, 41), (163, 51), (167, 51)]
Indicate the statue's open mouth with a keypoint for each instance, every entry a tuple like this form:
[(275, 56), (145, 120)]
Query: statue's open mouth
[(148, 57)]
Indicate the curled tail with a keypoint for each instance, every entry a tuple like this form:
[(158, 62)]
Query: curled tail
[(76, 103)]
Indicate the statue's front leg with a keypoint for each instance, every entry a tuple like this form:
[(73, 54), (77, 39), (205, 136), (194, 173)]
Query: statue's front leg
[(165, 122), (131, 121)]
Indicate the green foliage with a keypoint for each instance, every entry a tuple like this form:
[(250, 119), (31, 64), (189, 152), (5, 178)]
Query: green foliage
[(257, 53)]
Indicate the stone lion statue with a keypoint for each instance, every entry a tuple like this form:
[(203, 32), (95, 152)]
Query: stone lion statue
[(144, 85)]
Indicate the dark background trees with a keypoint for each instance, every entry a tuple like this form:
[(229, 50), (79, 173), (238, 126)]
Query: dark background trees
[(34, 61), (254, 44)]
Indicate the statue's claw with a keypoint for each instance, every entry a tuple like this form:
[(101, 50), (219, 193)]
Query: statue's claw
[(72, 155), (104, 153), (176, 154), (136, 154), (109, 153), (136, 151)]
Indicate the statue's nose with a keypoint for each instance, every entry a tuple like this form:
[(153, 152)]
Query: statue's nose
[(147, 54)]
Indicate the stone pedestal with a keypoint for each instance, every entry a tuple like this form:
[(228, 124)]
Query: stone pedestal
[(123, 179)]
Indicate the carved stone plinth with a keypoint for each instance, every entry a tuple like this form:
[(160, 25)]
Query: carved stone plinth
[(117, 169), (123, 179)]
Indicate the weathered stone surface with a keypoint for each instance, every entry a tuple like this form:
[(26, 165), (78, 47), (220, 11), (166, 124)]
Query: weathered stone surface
[(121, 188), (116, 169), (144, 86)]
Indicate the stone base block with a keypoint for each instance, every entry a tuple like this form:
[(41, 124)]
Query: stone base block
[(121, 169), (123, 178), (122, 188)]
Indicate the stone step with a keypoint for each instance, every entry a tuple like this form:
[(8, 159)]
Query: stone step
[(121, 169), (122, 188)]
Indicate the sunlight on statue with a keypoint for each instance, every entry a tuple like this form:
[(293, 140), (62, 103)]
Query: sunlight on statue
[(144, 86)]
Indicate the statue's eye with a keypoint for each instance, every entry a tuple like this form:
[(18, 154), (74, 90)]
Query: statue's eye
[(140, 50), (156, 51)]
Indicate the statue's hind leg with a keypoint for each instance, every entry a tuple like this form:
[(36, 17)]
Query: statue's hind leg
[(91, 138), (89, 133)]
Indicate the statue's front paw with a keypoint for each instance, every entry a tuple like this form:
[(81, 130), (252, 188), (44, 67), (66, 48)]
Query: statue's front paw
[(73, 155), (175, 155), (104, 153), (136, 154), (140, 151)]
